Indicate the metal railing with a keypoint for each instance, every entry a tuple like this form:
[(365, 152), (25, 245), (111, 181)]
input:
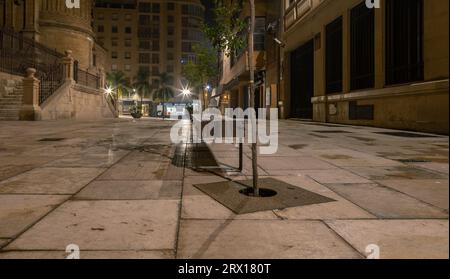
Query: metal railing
[(85, 78), (18, 53)]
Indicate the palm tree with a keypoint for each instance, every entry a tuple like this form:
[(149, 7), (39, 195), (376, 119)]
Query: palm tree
[(119, 83), (142, 84), (164, 92)]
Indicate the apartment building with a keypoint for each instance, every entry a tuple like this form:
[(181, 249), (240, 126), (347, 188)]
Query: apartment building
[(153, 35)]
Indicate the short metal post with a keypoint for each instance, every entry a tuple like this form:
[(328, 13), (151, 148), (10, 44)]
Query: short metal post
[(241, 151)]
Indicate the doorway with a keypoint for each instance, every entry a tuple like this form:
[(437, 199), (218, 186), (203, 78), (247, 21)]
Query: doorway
[(302, 81)]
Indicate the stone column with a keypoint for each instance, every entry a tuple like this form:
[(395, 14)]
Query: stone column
[(31, 19), (9, 14), (30, 109), (68, 62)]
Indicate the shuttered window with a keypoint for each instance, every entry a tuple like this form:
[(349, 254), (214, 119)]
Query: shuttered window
[(362, 41), (404, 41), (333, 58)]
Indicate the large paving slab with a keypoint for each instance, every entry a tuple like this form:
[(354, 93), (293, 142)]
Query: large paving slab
[(50, 181), (134, 171), (204, 207), (18, 212), (105, 225), (131, 190), (397, 239), (274, 239), (293, 163), (386, 203), (339, 209), (90, 160), (404, 172), (168, 254), (432, 191)]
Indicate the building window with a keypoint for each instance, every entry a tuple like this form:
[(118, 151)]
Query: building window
[(100, 28), (114, 42), (170, 30), (155, 70), (186, 47), (156, 7), (170, 19), (404, 41), (144, 19), (362, 53), (114, 67), (145, 7), (128, 30), (127, 55), (128, 42), (170, 69), (115, 16), (114, 29), (334, 49), (100, 16), (114, 55), (155, 18), (170, 56), (155, 58), (144, 44), (170, 6), (127, 67), (127, 17), (155, 45), (144, 58), (170, 44), (144, 69)]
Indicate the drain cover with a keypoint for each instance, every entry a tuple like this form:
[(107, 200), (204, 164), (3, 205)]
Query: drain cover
[(405, 135), (52, 139), (236, 195)]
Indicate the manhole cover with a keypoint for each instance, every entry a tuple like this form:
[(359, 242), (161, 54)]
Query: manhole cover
[(52, 139), (405, 135)]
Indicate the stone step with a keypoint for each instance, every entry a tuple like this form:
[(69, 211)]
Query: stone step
[(9, 107)]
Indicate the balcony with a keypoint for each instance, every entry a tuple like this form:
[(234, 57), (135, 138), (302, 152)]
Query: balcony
[(297, 10)]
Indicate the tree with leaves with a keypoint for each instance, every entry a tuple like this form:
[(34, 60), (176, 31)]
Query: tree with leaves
[(142, 84), (225, 34), (165, 92), (119, 84), (203, 70)]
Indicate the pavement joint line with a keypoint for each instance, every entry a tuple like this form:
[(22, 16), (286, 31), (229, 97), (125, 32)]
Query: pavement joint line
[(59, 205), (412, 197), (180, 204), (344, 198), (344, 240)]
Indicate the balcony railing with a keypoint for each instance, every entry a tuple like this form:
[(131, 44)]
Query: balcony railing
[(85, 78), (296, 11)]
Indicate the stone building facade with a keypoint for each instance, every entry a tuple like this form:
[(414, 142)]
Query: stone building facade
[(384, 67), (53, 24)]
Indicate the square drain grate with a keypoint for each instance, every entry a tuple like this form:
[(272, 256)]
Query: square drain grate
[(405, 135), (228, 194)]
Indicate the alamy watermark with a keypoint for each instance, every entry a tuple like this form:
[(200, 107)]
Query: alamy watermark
[(73, 4), (370, 4), (235, 126), (73, 252)]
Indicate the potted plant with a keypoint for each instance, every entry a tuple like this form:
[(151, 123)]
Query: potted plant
[(136, 112)]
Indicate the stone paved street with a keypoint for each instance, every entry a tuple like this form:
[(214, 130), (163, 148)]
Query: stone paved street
[(120, 189)]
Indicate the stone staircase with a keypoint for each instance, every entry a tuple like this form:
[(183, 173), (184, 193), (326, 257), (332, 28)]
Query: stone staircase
[(11, 92)]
